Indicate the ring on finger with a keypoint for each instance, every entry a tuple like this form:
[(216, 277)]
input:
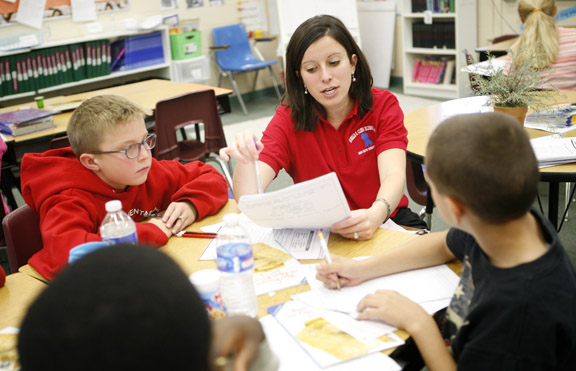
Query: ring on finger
[(355, 235)]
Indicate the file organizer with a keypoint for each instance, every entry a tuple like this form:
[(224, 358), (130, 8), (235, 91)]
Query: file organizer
[(186, 45), (137, 52)]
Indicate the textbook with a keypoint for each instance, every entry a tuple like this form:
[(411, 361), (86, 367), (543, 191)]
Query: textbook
[(24, 116), (554, 150), (559, 118), (27, 127)]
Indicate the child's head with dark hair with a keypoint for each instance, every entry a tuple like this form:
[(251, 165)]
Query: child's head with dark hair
[(119, 308), (484, 161)]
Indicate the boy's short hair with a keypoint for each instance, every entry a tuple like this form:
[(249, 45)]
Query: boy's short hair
[(118, 308), (486, 162), (98, 115)]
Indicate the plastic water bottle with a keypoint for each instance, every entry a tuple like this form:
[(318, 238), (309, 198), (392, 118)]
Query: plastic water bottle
[(235, 262), (117, 227)]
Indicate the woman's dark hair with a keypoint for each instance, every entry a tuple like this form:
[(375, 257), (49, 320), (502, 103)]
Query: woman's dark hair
[(305, 110)]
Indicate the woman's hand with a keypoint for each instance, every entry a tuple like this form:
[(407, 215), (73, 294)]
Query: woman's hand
[(244, 148), (361, 225)]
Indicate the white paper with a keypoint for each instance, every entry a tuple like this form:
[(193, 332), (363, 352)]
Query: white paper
[(314, 204), (83, 10), (301, 244), (486, 68), (289, 275), (31, 12), (292, 356), (554, 150), (419, 285)]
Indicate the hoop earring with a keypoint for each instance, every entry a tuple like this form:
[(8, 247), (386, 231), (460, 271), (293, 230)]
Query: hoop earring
[(305, 90), (353, 78)]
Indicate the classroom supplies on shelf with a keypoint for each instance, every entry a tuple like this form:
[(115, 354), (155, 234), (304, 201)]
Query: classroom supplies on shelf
[(186, 45), (137, 51)]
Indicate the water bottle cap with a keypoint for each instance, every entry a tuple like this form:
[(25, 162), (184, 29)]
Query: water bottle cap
[(231, 219), (114, 205)]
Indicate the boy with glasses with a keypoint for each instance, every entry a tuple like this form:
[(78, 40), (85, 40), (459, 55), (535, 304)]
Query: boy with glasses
[(110, 158)]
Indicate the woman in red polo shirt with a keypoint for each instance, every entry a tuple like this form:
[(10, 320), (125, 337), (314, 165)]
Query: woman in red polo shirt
[(332, 120)]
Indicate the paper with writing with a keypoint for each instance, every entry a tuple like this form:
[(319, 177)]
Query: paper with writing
[(314, 204)]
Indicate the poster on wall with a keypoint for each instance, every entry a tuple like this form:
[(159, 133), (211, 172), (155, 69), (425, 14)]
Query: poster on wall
[(169, 4), (56, 9), (194, 3)]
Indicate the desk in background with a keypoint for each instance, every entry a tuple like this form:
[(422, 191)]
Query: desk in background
[(421, 123), (497, 49)]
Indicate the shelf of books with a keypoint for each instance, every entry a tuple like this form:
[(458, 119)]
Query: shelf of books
[(81, 62), (435, 33)]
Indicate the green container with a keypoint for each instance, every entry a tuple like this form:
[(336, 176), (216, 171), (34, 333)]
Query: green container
[(186, 45)]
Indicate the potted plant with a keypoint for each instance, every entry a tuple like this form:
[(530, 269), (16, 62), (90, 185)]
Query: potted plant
[(515, 87)]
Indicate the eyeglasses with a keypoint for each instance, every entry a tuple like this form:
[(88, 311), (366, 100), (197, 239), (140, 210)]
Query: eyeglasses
[(133, 150)]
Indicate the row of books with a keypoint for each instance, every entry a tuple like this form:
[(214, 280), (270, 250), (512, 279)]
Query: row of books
[(436, 6), (434, 70), (26, 121), (54, 66), (437, 35)]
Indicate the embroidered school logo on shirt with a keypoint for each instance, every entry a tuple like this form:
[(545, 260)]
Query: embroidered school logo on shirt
[(364, 132)]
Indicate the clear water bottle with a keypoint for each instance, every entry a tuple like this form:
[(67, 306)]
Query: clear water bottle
[(117, 227), (235, 262)]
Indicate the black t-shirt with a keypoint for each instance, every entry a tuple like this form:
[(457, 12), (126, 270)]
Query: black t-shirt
[(520, 318)]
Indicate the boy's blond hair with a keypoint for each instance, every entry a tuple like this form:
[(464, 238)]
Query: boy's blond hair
[(486, 162), (97, 115)]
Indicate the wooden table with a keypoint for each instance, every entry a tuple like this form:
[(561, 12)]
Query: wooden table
[(15, 297), (186, 251), (421, 123), (145, 93)]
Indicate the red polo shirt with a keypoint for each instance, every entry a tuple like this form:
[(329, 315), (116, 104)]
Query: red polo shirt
[(351, 151)]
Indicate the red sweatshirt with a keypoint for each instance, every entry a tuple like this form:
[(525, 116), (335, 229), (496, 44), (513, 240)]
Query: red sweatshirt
[(70, 200)]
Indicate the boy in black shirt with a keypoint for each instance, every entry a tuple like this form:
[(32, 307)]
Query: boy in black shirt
[(515, 306)]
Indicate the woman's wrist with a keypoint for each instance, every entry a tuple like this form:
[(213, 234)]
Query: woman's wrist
[(388, 208)]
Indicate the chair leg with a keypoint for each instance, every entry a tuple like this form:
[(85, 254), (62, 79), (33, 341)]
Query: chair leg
[(255, 80), (275, 82), (235, 87), (226, 167)]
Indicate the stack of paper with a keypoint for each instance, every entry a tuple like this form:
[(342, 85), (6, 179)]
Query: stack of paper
[(554, 150), (557, 119)]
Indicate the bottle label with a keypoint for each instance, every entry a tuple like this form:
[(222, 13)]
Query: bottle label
[(214, 303), (235, 258), (131, 239)]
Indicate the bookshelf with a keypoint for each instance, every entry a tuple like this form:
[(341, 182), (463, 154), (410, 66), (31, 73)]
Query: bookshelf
[(62, 87), (419, 44)]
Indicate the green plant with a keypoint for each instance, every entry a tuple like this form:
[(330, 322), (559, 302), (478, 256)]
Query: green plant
[(516, 85)]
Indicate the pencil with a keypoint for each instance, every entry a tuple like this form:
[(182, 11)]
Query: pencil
[(258, 171), (327, 253), (196, 234), (155, 215)]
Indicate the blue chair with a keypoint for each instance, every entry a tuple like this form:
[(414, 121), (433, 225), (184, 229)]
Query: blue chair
[(234, 55)]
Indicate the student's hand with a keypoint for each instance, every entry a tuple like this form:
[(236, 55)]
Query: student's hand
[(179, 215), (393, 308), (362, 222), (160, 224), (345, 270), (244, 148), (238, 336)]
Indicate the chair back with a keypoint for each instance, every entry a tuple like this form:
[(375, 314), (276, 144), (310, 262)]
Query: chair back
[(22, 233), (239, 54), (173, 114), (59, 142)]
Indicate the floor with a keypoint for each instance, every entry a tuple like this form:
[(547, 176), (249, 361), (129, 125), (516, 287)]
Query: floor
[(263, 106)]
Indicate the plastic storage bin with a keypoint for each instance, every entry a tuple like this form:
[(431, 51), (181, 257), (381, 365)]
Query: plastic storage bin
[(192, 70), (137, 52), (186, 45)]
